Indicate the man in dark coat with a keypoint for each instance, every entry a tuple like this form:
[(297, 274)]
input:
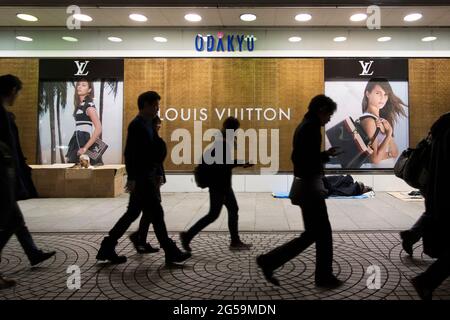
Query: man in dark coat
[(15, 223), (142, 160), (309, 163), (436, 228)]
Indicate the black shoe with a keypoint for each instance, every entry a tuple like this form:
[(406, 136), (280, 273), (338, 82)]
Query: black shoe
[(268, 273), (407, 242), (141, 248), (175, 255), (328, 282), (107, 252), (6, 283), (41, 257), (239, 245), (185, 241), (423, 292)]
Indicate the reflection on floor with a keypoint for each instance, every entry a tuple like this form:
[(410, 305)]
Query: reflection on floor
[(214, 272)]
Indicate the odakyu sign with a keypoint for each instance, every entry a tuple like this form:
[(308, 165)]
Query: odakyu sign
[(225, 42)]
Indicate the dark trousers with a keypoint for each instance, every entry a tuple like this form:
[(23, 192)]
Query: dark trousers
[(218, 197), (145, 198), (317, 230), (437, 272), (16, 225)]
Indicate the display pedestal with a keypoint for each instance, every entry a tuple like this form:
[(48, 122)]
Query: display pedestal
[(62, 181)]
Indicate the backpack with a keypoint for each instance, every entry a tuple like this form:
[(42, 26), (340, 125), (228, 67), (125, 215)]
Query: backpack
[(412, 165)]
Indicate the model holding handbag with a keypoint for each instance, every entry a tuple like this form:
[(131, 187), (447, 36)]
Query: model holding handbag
[(308, 191), (380, 101), (85, 114)]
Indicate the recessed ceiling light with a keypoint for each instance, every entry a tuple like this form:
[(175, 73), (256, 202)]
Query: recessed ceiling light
[(295, 39), (82, 17), (248, 17), (23, 38), (413, 17), (428, 39), (115, 39), (384, 39), (193, 17), (340, 39), (70, 39), (303, 17), (26, 17), (138, 17), (358, 17), (160, 39)]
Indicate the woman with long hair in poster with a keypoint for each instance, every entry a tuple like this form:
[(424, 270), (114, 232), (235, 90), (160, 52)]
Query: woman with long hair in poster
[(86, 117), (381, 102)]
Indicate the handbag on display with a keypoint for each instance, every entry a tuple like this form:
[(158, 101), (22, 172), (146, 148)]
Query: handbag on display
[(350, 136), (97, 149)]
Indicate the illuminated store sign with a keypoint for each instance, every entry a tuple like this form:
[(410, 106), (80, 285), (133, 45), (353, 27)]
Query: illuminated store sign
[(225, 43)]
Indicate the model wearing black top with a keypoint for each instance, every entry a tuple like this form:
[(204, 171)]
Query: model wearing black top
[(308, 163), (86, 118), (142, 161)]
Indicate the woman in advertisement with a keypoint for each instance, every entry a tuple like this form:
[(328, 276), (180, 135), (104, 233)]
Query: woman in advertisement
[(384, 108), (86, 117)]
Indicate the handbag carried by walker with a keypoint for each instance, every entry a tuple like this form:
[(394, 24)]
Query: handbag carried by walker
[(412, 165), (301, 189)]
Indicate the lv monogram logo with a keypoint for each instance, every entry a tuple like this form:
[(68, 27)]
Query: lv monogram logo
[(81, 66), (366, 68)]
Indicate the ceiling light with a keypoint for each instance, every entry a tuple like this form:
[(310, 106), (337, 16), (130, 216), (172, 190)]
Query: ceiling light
[(428, 39), (70, 39), (193, 17), (340, 39), (26, 17), (295, 39), (358, 17), (138, 17), (22, 38), (413, 17), (82, 17), (248, 17), (384, 39), (160, 39), (115, 39), (303, 17)]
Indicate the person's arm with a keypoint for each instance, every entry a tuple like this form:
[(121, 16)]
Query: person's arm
[(379, 150), (131, 152), (92, 113), (393, 148)]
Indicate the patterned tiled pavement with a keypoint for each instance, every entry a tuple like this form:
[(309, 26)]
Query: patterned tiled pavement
[(214, 272)]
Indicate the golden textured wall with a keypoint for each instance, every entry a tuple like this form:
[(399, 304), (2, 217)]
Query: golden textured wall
[(229, 83), (25, 108), (429, 94)]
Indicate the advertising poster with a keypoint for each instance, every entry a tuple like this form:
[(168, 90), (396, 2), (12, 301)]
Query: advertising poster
[(80, 109), (370, 125)]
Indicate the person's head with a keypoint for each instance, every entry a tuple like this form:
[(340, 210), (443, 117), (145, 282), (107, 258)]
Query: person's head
[(379, 95), (231, 123), (9, 89), (148, 104), (156, 123), (84, 89), (323, 107)]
